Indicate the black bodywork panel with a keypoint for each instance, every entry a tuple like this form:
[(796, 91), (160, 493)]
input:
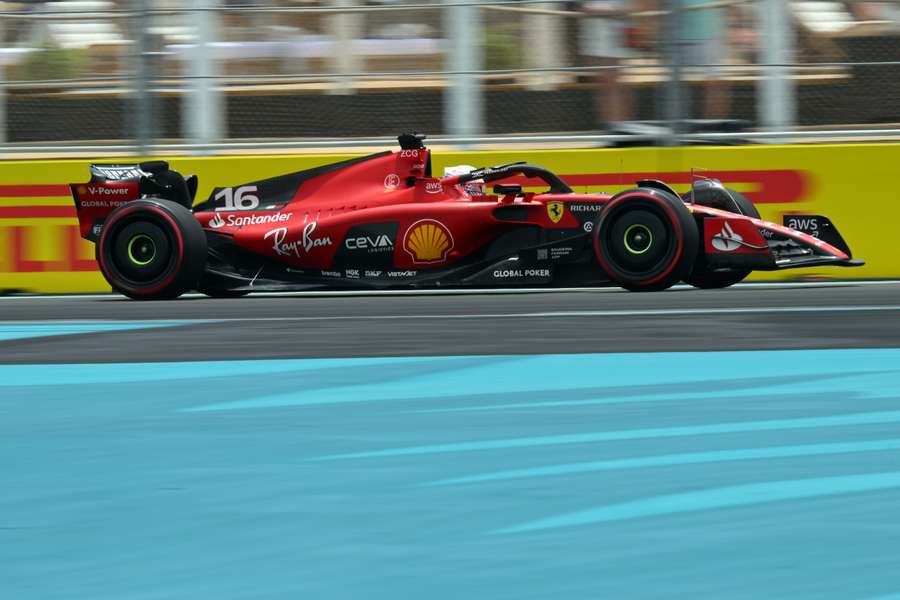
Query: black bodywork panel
[(528, 255)]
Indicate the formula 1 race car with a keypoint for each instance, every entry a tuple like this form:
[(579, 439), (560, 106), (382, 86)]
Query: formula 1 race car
[(383, 221)]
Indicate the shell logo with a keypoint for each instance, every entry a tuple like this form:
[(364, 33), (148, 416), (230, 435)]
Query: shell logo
[(428, 241)]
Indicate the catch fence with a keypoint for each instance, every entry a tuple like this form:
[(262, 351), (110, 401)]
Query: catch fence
[(152, 76)]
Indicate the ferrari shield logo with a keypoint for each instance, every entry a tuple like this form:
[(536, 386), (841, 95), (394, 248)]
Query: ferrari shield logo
[(555, 211)]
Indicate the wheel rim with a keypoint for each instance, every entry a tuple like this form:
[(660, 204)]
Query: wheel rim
[(638, 239), (141, 249)]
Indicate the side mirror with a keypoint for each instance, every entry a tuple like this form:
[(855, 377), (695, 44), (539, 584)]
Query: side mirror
[(412, 141), (505, 190), (154, 166)]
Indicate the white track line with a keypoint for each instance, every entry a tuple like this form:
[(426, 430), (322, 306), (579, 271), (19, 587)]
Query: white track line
[(471, 292), (661, 312)]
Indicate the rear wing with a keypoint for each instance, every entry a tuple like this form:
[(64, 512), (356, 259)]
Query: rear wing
[(112, 185), (104, 173)]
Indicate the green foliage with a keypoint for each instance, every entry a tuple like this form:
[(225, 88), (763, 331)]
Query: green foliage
[(502, 47), (52, 62)]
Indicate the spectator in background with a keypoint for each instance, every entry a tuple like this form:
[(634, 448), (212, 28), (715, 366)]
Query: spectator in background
[(876, 11), (603, 43), (704, 33)]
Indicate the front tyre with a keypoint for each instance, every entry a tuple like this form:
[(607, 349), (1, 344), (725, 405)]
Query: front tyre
[(646, 239), (704, 278), (152, 249)]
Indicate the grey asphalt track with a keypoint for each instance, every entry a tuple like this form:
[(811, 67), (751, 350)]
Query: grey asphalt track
[(265, 327)]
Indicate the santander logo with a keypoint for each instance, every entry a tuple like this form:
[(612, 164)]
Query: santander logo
[(242, 220), (727, 240), (216, 221)]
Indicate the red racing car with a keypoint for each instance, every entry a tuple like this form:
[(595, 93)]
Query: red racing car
[(384, 221)]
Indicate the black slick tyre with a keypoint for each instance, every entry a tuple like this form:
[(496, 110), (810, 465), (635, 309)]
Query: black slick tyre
[(702, 276), (222, 293), (151, 249), (646, 239)]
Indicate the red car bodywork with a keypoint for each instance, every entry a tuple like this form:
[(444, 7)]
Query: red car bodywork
[(384, 220)]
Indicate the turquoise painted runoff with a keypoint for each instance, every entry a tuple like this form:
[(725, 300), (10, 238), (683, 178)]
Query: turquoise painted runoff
[(770, 474), (17, 330)]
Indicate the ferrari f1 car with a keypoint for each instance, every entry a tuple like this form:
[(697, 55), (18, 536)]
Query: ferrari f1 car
[(384, 221)]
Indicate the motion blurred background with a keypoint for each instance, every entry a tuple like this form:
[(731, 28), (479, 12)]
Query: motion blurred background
[(581, 444), (208, 75)]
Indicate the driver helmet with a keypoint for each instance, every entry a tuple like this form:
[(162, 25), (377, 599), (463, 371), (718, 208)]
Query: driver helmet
[(472, 188)]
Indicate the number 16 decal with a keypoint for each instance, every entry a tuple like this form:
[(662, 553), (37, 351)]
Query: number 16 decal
[(242, 198)]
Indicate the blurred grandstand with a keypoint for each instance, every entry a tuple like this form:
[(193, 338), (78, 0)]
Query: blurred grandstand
[(200, 75)]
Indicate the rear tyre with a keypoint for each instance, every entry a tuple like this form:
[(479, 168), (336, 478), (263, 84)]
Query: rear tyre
[(151, 250), (704, 277), (646, 239)]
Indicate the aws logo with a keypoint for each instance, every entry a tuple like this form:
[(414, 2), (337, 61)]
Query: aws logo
[(428, 241)]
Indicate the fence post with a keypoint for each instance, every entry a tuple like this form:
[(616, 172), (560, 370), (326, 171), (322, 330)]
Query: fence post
[(3, 137), (143, 119), (777, 103), (673, 93), (204, 119), (3, 126), (544, 47), (462, 99), (344, 29)]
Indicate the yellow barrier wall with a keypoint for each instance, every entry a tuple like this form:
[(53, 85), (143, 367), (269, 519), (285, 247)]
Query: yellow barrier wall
[(854, 185)]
